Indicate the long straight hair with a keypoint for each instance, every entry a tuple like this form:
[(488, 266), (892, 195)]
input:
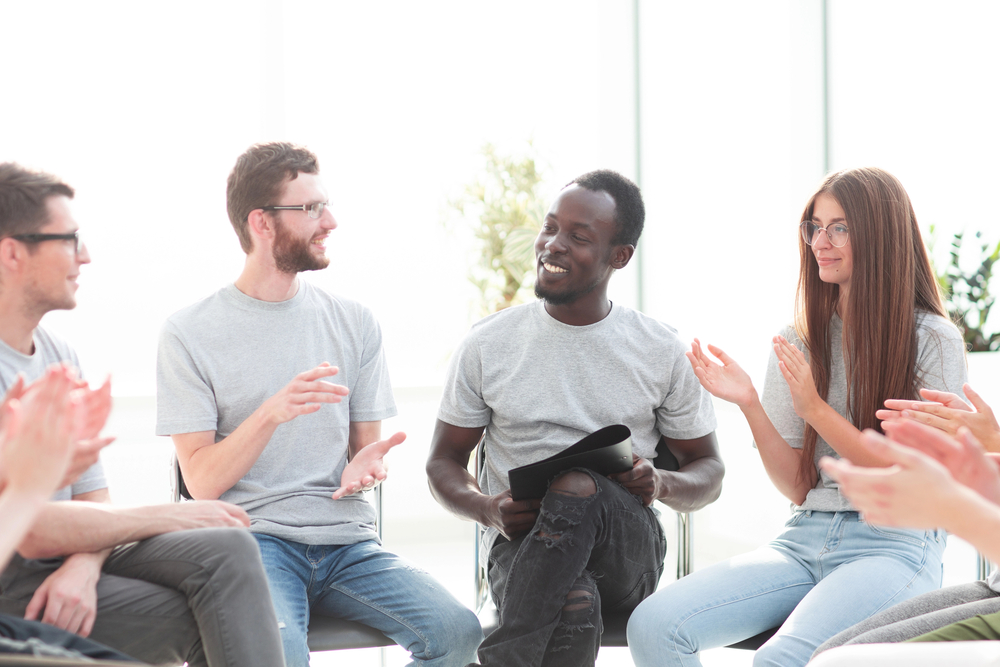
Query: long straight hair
[(891, 280)]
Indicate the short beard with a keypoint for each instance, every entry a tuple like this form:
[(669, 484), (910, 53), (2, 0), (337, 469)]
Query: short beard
[(293, 255), (562, 298)]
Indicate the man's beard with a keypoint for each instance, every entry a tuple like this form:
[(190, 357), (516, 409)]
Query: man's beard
[(292, 255), (562, 298)]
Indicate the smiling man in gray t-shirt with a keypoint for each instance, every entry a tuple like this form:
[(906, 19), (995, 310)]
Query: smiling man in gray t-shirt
[(532, 380), (244, 390)]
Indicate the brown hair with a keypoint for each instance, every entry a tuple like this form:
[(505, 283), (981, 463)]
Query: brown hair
[(890, 264), (23, 197), (258, 179)]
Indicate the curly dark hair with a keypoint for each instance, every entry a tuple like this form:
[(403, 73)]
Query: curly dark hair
[(630, 212)]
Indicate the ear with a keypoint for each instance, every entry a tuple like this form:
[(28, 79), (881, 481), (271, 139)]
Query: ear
[(261, 224), (11, 254), (621, 255)]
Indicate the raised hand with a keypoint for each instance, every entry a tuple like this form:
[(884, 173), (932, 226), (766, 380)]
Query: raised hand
[(911, 493), (963, 457), (641, 480), (797, 373), (948, 412), (512, 517), (726, 381), (37, 439), (306, 393), (94, 407), (367, 469)]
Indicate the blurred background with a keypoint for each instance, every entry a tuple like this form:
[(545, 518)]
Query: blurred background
[(727, 113)]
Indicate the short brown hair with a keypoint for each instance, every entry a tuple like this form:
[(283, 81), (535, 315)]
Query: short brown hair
[(257, 179), (23, 196)]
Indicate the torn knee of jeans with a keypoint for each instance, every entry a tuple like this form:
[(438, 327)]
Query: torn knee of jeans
[(555, 530), (575, 483), (576, 616)]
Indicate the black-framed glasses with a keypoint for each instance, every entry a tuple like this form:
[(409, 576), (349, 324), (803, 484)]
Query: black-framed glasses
[(39, 238), (836, 232), (312, 210)]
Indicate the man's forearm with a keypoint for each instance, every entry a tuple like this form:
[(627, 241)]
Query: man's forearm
[(212, 468), (70, 527), (455, 489), (976, 520), (17, 513), (693, 486)]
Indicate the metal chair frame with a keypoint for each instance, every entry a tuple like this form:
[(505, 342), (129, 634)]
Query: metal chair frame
[(325, 632)]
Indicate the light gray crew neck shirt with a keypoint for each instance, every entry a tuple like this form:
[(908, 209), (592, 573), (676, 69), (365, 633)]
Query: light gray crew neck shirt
[(222, 357), (539, 385), (940, 365)]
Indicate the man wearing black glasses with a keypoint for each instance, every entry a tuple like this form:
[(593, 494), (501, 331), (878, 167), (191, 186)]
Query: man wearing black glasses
[(244, 386), (135, 579)]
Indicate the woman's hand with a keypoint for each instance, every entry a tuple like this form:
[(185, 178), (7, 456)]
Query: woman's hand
[(797, 373), (726, 381), (947, 412)]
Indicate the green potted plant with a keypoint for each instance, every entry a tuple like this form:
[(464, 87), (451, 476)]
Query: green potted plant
[(505, 209), (969, 302)]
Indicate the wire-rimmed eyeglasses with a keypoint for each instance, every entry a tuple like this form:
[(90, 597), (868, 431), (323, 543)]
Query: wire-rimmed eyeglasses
[(836, 232), (312, 210)]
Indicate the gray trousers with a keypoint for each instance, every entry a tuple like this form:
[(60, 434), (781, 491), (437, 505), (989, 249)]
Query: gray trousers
[(199, 596), (919, 615)]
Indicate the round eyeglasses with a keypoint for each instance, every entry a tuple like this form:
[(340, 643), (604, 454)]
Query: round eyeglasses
[(836, 233), (312, 210)]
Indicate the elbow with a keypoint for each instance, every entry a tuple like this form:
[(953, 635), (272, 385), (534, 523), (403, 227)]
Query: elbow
[(34, 547)]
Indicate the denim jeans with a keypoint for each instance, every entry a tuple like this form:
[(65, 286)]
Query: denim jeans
[(363, 582), (584, 554), (824, 573)]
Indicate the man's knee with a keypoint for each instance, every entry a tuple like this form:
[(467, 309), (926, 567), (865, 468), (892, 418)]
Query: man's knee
[(574, 483), (580, 601)]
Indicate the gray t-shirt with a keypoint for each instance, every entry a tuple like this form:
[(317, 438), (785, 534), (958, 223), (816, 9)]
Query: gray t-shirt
[(49, 350), (940, 365), (539, 385), (222, 357)]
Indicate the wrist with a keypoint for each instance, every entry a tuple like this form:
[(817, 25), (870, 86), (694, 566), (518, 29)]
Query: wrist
[(751, 403)]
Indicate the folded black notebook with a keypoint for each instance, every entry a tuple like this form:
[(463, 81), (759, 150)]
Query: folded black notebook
[(606, 451)]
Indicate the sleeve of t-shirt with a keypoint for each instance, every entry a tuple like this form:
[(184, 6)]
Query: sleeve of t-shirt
[(777, 399), (371, 396), (462, 402), (185, 402), (686, 412), (941, 360)]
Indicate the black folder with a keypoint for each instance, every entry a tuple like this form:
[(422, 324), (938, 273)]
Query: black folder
[(606, 451)]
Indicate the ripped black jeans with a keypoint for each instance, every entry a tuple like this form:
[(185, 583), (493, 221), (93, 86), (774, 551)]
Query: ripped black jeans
[(585, 553)]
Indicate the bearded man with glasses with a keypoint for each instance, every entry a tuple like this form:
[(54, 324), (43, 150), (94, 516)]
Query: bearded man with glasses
[(246, 389)]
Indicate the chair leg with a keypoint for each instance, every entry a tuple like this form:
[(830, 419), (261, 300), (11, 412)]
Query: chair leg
[(684, 534)]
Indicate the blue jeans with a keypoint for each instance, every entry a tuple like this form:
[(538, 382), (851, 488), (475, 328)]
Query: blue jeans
[(586, 554), (824, 573), (363, 582)]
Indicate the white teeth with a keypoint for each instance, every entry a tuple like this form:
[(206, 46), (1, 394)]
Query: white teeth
[(553, 269)]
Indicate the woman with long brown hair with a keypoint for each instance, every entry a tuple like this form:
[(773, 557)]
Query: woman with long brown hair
[(869, 325)]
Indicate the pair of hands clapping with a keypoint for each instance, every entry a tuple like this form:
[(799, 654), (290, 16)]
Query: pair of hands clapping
[(731, 383), (50, 430)]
